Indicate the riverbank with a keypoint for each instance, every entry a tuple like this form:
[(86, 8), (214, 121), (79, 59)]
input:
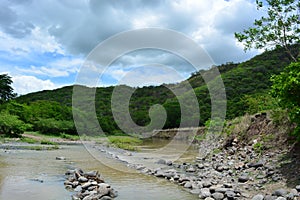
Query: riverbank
[(256, 161)]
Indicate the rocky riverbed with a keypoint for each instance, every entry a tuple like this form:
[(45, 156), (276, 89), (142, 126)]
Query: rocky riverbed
[(88, 186), (233, 172)]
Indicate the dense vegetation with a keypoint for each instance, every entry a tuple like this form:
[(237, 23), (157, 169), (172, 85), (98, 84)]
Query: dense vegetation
[(247, 88)]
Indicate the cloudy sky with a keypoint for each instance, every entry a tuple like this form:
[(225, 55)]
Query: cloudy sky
[(44, 43)]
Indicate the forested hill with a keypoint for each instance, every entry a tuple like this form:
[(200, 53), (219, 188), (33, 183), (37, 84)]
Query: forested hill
[(244, 82)]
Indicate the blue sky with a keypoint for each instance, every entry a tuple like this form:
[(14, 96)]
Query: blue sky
[(44, 43)]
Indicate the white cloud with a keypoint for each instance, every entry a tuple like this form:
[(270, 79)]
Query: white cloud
[(28, 84), (57, 68), (39, 41)]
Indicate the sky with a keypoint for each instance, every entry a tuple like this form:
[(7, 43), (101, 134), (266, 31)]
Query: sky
[(43, 44)]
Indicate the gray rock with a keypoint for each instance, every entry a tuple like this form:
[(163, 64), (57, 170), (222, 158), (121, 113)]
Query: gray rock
[(208, 198), (218, 196), (191, 169), (113, 193), (204, 192), (161, 161), (230, 195), (91, 174), (104, 189), (82, 179), (298, 188), (86, 185), (78, 189), (221, 190), (60, 158), (281, 198), (258, 197), (243, 178), (269, 197), (105, 198), (256, 164), (280, 192), (207, 184), (188, 185), (74, 197), (290, 196), (195, 191)]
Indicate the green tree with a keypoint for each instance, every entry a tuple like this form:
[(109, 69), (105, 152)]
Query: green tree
[(11, 125), (6, 91), (281, 27), (286, 87)]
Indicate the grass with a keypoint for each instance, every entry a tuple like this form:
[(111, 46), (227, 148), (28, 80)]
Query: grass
[(47, 142), (29, 140), (125, 142)]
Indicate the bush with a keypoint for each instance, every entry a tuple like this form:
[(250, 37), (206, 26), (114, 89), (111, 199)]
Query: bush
[(286, 87), (11, 125), (52, 126)]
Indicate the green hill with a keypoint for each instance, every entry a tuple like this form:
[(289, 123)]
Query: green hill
[(242, 80)]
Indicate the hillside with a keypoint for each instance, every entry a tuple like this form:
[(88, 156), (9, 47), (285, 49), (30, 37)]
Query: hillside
[(242, 80)]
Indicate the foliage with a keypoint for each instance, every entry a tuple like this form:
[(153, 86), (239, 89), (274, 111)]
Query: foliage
[(280, 28), (29, 140), (286, 87), (6, 91), (259, 102), (11, 125), (125, 142), (52, 126)]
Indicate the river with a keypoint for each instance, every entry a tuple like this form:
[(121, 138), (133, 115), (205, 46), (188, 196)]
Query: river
[(21, 172)]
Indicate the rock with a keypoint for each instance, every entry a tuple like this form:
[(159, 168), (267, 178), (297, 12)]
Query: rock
[(260, 163), (86, 185), (188, 185), (82, 179), (281, 198), (74, 197), (290, 196), (280, 193), (169, 163), (230, 195), (78, 189), (298, 188), (104, 189), (218, 196), (105, 198), (113, 193), (269, 197), (294, 191), (195, 191), (90, 174), (60, 158), (208, 198), (191, 169), (221, 190), (258, 197), (204, 192), (243, 178), (159, 173), (161, 161)]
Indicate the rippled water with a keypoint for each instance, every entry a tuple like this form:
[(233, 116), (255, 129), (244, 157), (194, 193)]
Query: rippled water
[(20, 168)]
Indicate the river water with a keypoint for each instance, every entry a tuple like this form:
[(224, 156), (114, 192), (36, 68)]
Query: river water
[(21, 172)]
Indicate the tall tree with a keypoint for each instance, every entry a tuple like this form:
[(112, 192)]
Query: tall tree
[(6, 91), (281, 27)]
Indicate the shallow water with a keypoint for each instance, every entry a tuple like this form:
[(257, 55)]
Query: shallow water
[(20, 168)]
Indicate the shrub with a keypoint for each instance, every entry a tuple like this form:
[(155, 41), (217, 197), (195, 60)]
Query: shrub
[(286, 87), (11, 125)]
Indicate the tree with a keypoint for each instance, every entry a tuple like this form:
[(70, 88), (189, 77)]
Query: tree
[(280, 28), (286, 87), (11, 125), (6, 91)]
